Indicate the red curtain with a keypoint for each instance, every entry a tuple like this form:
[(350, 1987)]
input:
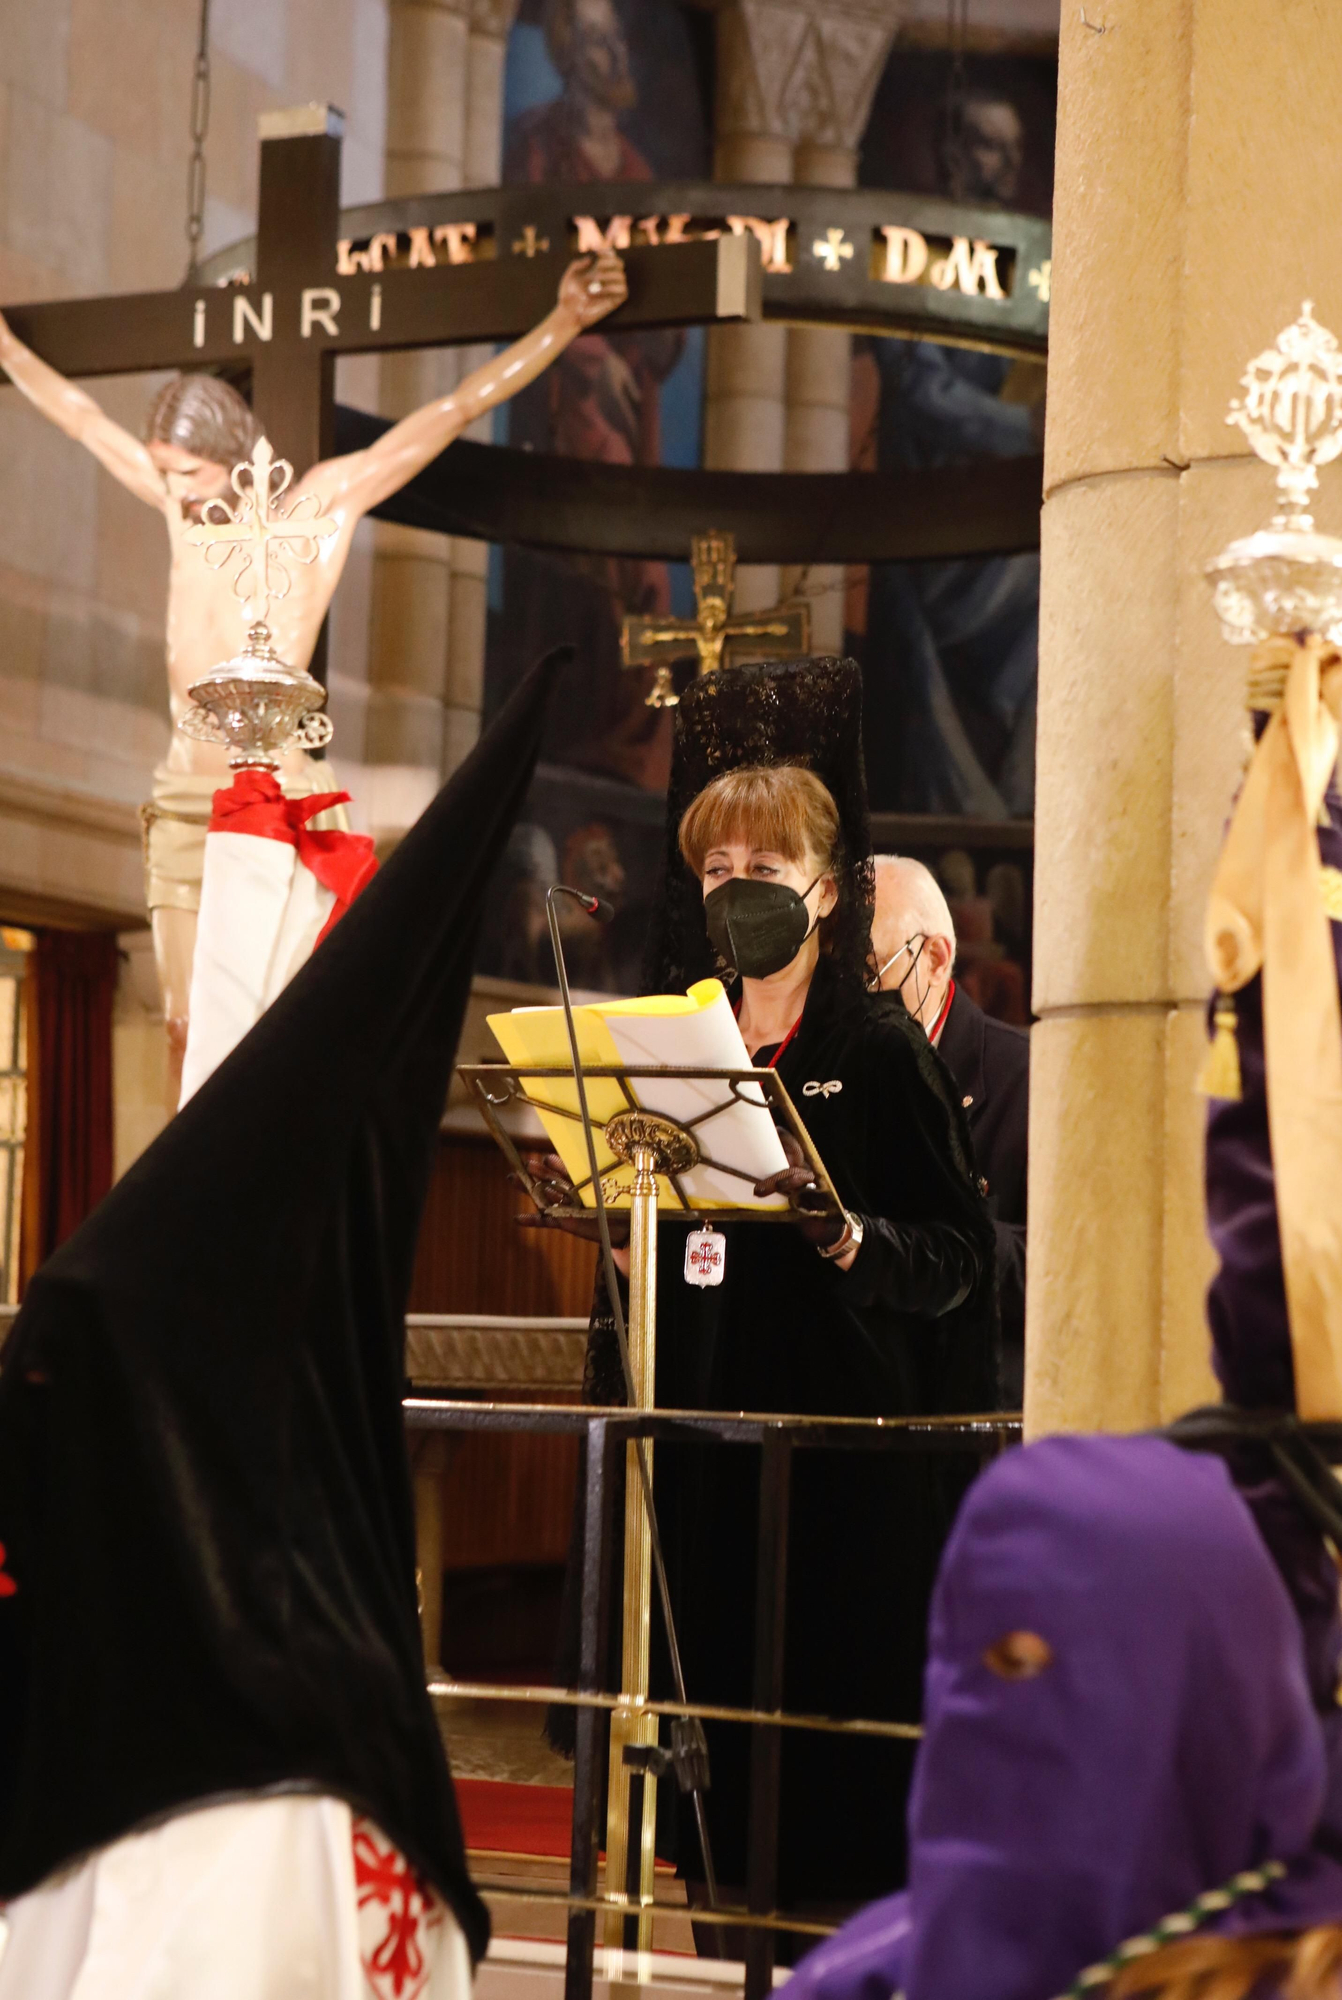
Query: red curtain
[(67, 1165)]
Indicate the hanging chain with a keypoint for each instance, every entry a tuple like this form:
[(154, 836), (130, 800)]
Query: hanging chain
[(200, 125), (957, 34)]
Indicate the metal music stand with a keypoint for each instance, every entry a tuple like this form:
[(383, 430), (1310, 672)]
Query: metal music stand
[(660, 1150)]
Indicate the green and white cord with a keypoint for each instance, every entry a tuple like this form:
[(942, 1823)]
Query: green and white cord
[(1181, 1924)]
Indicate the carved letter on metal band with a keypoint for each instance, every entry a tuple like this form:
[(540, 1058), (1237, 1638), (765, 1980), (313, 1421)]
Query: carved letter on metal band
[(973, 271), (615, 236), (906, 255)]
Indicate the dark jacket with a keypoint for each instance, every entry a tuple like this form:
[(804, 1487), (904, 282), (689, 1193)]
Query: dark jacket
[(991, 1065)]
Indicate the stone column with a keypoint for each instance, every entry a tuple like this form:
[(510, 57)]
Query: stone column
[(795, 83), (830, 92), (1187, 231), (445, 67), (745, 421)]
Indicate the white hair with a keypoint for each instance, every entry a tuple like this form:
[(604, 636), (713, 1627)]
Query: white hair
[(909, 903)]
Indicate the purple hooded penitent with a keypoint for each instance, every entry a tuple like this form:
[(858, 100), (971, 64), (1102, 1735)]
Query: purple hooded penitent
[(1170, 1741)]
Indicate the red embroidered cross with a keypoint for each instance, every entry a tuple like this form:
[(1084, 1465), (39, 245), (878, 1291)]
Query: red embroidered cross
[(396, 1966), (704, 1257)]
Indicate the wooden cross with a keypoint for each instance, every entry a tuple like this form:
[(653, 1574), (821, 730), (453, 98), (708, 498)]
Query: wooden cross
[(257, 530), (301, 309), (714, 630)]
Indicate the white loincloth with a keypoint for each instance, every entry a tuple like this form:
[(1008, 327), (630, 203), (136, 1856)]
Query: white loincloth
[(289, 1898), (262, 912)]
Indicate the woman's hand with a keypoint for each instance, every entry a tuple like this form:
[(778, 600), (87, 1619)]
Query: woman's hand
[(553, 1189), (798, 1182)]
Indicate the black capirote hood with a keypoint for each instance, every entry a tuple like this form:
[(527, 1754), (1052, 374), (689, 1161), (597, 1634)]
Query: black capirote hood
[(205, 1503)]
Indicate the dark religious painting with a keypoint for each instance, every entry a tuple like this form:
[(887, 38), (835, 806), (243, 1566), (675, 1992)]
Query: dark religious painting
[(950, 649), (596, 90)]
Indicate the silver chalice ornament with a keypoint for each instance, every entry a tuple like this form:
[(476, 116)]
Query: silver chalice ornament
[(1287, 578), (255, 704)]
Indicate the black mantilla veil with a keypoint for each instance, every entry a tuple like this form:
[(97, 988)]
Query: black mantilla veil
[(205, 1503), (806, 712)]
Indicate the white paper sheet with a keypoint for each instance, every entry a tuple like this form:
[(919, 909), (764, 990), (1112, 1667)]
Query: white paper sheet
[(743, 1135)]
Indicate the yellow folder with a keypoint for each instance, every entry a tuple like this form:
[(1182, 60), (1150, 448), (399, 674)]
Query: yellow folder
[(690, 1030)]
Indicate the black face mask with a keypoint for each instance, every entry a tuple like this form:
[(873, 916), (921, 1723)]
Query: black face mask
[(757, 928)]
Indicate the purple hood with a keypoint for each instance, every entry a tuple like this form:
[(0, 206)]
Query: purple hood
[(1170, 1742)]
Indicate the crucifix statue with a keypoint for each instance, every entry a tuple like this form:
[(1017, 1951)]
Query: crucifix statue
[(715, 630), (197, 430)]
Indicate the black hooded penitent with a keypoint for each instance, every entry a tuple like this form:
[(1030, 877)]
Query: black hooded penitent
[(204, 1496)]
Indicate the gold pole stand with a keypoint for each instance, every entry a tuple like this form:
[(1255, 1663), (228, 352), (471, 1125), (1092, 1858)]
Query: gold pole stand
[(653, 1145)]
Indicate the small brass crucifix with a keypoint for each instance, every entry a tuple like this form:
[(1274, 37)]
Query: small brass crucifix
[(714, 630), (260, 531)]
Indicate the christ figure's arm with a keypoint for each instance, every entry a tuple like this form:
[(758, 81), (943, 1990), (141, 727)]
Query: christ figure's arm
[(591, 288), (80, 418)]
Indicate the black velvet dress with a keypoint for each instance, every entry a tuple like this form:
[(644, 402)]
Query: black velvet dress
[(908, 1329)]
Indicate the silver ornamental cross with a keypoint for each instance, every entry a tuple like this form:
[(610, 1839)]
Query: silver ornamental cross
[(1291, 411), (263, 535), (1288, 576)]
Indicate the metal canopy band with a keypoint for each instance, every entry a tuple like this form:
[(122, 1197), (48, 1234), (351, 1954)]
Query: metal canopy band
[(653, 512), (874, 260)]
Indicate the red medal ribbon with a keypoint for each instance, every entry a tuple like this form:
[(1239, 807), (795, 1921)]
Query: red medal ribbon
[(773, 1060), (940, 1021)]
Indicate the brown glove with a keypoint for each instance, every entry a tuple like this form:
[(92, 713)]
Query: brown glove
[(553, 1189), (798, 1182)]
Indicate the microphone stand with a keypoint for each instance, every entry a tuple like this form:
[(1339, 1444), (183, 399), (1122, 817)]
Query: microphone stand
[(689, 1747)]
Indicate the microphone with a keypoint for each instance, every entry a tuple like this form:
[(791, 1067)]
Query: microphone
[(593, 905)]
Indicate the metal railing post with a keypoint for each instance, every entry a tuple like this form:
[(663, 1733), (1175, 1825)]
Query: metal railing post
[(591, 1730), (766, 1747)]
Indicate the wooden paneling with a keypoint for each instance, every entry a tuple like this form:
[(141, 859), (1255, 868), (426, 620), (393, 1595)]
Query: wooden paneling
[(473, 1256), (506, 1501)]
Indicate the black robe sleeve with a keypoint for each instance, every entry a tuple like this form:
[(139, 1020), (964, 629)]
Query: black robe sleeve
[(914, 1267), (929, 1247)]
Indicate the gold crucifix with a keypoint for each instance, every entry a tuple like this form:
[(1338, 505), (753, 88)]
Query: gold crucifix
[(714, 630), (257, 529)]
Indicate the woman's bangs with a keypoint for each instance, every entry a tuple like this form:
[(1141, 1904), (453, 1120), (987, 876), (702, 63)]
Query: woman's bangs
[(749, 807)]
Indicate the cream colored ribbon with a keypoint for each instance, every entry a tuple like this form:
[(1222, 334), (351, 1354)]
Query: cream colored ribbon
[(1267, 911)]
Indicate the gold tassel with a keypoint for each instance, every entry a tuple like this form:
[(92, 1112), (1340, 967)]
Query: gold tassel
[(1220, 1076), (1330, 881)]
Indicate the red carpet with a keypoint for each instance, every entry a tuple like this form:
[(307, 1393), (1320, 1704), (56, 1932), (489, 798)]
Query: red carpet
[(516, 1819), (519, 1819)]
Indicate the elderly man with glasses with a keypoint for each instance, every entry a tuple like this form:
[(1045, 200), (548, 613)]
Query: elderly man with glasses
[(913, 937)]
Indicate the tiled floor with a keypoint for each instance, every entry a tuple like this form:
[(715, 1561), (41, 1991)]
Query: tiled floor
[(500, 1739)]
